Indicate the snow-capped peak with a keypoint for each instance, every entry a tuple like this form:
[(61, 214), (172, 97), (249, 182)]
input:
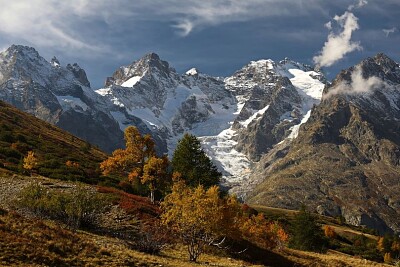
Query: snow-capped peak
[(263, 64), (54, 62), (192, 72)]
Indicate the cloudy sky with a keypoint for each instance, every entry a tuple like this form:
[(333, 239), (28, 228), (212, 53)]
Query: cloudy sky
[(216, 36)]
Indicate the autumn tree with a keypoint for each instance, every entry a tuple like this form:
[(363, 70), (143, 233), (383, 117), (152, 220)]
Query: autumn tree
[(131, 160), (195, 214), (72, 164), (30, 161), (138, 161), (201, 217), (264, 233), (387, 258), (154, 173), (195, 166), (396, 246)]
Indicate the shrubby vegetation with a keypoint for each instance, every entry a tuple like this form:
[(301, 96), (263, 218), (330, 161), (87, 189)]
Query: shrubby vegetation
[(389, 247), (80, 208), (42, 158)]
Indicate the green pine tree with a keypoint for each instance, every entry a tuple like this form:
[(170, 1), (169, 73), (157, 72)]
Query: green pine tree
[(193, 164), (306, 233)]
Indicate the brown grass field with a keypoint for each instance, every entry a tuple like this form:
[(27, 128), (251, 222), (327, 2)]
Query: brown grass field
[(34, 242)]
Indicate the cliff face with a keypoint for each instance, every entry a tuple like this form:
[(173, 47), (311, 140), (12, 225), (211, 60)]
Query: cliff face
[(345, 160)]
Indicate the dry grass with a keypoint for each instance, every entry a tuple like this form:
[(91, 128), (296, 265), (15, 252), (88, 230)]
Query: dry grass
[(348, 232), (331, 259), (28, 242)]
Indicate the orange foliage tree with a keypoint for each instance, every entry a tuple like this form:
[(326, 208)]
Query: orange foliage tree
[(137, 161), (72, 164), (264, 233), (329, 231)]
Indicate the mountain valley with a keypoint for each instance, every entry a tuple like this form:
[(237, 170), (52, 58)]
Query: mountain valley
[(279, 132)]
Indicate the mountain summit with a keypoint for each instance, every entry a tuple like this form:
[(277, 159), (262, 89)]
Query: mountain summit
[(56, 94), (345, 161), (237, 118), (278, 131)]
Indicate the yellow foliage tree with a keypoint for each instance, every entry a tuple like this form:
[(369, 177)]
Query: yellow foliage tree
[(131, 159), (137, 161), (379, 245), (195, 214), (200, 217), (155, 172), (30, 161)]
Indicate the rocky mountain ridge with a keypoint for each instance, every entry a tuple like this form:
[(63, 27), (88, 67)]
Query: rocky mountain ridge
[(234, 117), (56, 94), (238, 118), (278, 131), (345, 161)]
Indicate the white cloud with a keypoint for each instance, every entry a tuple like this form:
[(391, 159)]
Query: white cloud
[(338, 45), (360, 4), (46, 23), (389, 31), (358, 85), (328, 25), (184, 27), (192, 14)]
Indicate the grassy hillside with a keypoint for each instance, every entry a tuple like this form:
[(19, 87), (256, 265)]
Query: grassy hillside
[(21, 132), (348, 241), (29, 242), (62, 247)]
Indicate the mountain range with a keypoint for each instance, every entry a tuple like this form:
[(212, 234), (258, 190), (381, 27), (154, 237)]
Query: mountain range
[(280, 133)]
